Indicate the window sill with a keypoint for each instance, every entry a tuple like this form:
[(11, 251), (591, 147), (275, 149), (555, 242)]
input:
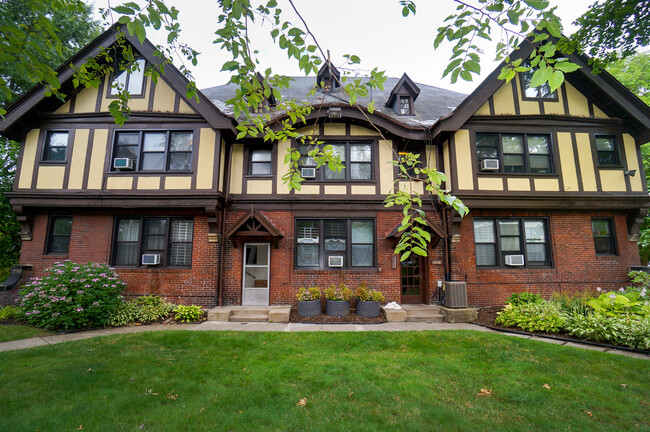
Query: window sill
[(526, 174), (151, 267), (514, 268), (606, 255), (55, 255), (260, 176), (616, 167), (151, 172), (540, 99), (334, 269), (308, 181), (49, 162)]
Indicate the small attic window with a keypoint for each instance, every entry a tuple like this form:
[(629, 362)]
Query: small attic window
[(328, 78), (405, 105), (131, 81), (541, 92)]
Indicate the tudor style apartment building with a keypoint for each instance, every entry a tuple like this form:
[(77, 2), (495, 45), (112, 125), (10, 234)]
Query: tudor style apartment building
[(554, 183)]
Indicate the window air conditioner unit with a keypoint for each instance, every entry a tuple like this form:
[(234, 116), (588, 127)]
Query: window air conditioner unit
[(335, 261), (123, 164), (308, 173), (489, 164), (150, 259), (514, 260)]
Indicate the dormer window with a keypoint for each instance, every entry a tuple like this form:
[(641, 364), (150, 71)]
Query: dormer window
[(328, 78), (403, 96), (132, 81), (405, 105)]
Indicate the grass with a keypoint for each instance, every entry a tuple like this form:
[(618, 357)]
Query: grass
[(9, 332), (406, 381)]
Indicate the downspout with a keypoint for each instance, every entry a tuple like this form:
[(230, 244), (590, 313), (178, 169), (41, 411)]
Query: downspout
[(224, 211)]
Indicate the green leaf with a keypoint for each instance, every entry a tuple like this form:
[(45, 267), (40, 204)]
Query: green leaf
[(513, 16), (537, 4), (124, 10), (472, 66), (556, 80), (567, 67)]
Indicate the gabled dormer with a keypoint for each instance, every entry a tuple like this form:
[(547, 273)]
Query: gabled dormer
[(268, 102), (403, 96), (329, 78)]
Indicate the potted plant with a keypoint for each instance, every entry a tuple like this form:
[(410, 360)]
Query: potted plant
[(309, 302), (368, 301), (338, 300)]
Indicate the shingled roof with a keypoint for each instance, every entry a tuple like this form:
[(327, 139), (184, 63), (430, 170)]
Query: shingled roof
[(433, 102)]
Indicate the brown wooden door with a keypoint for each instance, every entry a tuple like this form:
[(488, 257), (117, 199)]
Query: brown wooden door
[(412, 280)]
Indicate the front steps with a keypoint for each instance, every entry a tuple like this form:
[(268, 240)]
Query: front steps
[(250, 314), (415, 313)]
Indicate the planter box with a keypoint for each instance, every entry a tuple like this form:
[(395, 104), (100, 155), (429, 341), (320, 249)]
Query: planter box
[(337, 308), (369, 309), (309, 308)]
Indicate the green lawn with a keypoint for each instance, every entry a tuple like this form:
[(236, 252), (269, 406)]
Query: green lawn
[(9, 332), (406, 381)]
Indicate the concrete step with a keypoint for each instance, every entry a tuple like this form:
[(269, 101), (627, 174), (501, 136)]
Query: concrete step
[(249, 317), (421, 316)]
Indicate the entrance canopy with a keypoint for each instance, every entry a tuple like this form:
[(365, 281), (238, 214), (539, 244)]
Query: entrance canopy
[(253, 226)]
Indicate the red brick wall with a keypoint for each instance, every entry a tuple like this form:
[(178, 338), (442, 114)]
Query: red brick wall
[(91, 240), (575, 264)]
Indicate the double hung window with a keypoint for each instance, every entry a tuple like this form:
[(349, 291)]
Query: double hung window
[(497, 238), (168, 237), (355, 157), (607, 150), (156, 150), (604, 238), (55, 148), (58, 240), (351, 239), (260, 162), (517, 153)]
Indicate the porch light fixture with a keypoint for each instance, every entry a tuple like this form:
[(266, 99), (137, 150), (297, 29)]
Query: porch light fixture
[(334, 113), (630, 173)]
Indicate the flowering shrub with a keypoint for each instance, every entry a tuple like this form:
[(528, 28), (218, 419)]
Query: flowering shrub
[(340, 293), (71, 296), (544, 316), (641, 281), (308, 294), (630, 331), (8, 312), (364, 294), (188, 314)]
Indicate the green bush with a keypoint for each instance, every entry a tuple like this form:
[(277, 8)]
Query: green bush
[(624, 330), (8, 312), (516, 299), (124, 314), (573, 302), (364, 294), (619, 303), (641, 280), (152, 308), (340, 293), (544, 317), (71, 296), (188, 314)]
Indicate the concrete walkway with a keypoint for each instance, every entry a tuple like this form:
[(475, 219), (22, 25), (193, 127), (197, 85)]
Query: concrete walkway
[(287, 327)]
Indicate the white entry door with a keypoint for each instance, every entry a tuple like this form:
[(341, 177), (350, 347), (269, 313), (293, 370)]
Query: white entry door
[(255, 290)]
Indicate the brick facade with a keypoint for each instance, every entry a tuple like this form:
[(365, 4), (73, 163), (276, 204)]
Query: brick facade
[(575, 264)]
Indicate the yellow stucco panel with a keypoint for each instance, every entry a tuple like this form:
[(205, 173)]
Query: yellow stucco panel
[(518, 184), (149, 182), (555, 106), (484, 109), (587, 169), (184, 108), (119, 182), (282, 168), (335, 190), (86, 100), (308, 190), (29, 159), (411, 187), (97, 158), (385, 167), (140, 103), (463, 160), (360, 130), (431, 161), (636, 182), (334, 129), (237, 168), (504, 101), (547, 184), (447, 163), (363, 190), (598, 113), (309, 130), (567, 160), (260, 186), (184, 182), (78, 161), (222, 164), (63, 109), (490, 183), (526, 107), (50, 177), (205, 164), (612, 180), (578, 105), (163, 97)]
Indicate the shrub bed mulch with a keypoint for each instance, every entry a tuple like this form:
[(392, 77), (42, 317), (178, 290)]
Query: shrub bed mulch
[(488, 315), (326, 319)]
